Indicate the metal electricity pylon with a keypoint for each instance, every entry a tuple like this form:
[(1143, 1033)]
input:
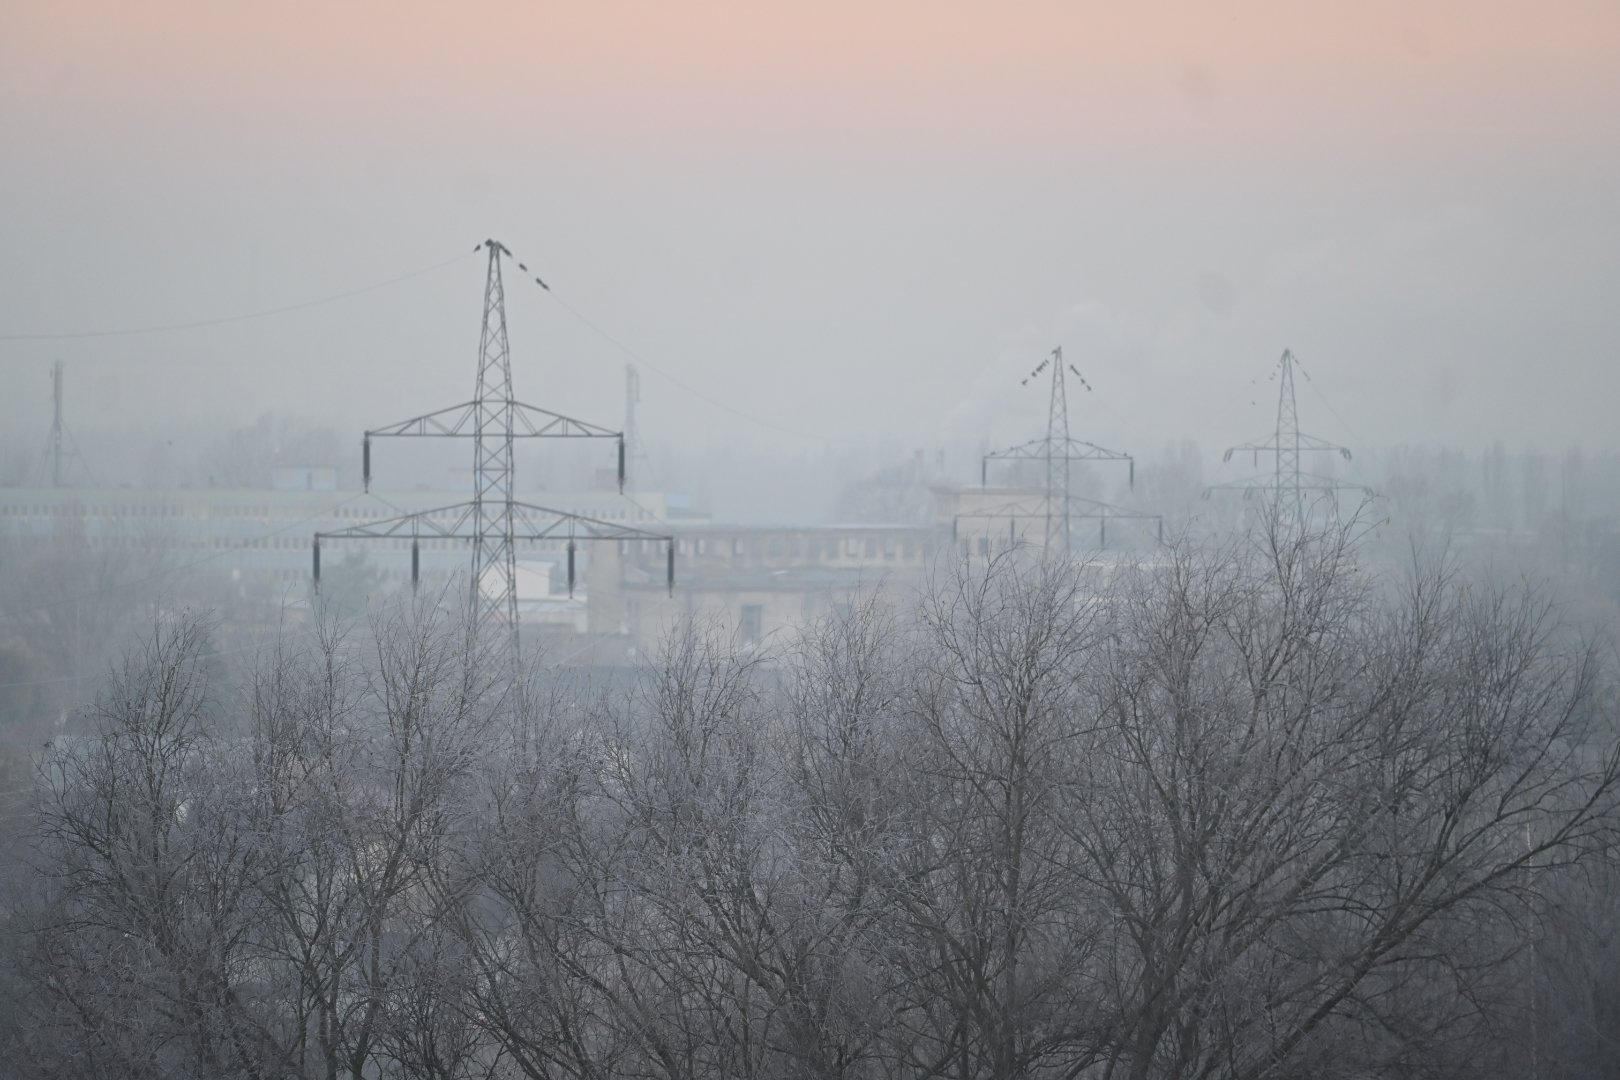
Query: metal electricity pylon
[(1058, 451), (493, 521), (1289, 484)]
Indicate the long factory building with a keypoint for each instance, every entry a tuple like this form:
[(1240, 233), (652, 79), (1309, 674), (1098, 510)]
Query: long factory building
[(758, 582)]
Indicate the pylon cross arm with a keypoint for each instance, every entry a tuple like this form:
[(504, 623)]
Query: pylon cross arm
[(458, 522), (1274, 445), (1093, 509), (1311, 442), (456, 420), (545, 523), (1030, 451), (1269, 447), (1077, 450), (441, 521), (530, 420), (460, 421)]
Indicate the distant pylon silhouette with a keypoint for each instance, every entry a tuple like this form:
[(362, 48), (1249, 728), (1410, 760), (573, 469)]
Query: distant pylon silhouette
[(1058, 451), (1290, 484)]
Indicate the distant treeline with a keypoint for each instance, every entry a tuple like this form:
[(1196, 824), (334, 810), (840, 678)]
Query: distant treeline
[(1244, 810)]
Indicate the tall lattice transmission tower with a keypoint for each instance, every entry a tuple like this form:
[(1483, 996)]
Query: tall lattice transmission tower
[(1057, 452), (1290, 485), (493, 522)]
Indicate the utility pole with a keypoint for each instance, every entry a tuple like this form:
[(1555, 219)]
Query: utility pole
[(632, 394), (1289, 484), (1057, 451), (56, 424), (493, 521)]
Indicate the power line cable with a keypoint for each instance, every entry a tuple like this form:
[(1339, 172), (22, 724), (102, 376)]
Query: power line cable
[(232, 318), (628, 351), (1366, 447)]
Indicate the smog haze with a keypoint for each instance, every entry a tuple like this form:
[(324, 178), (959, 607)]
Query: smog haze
[(849, 224)]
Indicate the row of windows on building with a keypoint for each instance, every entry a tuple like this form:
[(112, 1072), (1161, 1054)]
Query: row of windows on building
[(253, 513), (606, 513), (295, 577), (165, 510), (79, 510), (888, 546), (790, 547)]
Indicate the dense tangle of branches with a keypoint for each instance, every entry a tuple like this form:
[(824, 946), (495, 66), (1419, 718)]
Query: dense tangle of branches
[(1242, 812)]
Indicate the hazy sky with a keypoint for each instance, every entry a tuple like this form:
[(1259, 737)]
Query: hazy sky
[(858, 221)]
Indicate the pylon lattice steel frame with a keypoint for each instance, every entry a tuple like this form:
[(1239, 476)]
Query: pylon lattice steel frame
[(1058, 450), (1289, 482), (493, 522)]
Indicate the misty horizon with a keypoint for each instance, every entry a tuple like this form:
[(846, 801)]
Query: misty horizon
[(855, 540), (1417, 204)]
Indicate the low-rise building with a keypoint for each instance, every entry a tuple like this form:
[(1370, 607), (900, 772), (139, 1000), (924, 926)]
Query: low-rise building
[(759, 583), (266, 535)]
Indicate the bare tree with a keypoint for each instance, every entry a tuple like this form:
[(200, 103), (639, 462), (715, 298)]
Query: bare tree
[(548, 925), (855, 814), (148, 909), (367, 763), (997, 937), (1312, 794), (688, 782), (1240, 812)]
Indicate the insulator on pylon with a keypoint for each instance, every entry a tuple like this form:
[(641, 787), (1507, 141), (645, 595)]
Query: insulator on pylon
[(416, 563), (621, 464), (1132, 480), (365, 462), (570, 569), (672, 566), (317, 564)]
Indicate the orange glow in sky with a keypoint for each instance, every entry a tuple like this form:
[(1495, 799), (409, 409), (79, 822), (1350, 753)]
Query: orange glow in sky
[(908, 196), (1142, 75)]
